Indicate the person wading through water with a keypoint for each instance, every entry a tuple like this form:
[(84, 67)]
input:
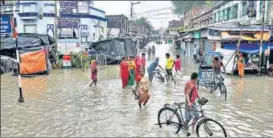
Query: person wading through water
[(124, 72), (94, 73), (132, 68), (241, 65), (191, 94), (143, 90)]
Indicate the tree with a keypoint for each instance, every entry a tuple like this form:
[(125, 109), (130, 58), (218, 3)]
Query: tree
[(180, 7), (141, 20)]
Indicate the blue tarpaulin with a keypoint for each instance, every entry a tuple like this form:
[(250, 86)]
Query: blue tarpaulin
[(250, 48)]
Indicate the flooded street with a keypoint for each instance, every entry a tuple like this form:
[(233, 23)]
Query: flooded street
[(63, 104)]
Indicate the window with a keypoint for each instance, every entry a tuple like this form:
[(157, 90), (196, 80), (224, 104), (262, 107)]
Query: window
[(49, 8), (234, 12), (68, 33), (84, 39), (27, 8), (225, 15), (228, 13), (221, 15), (244, 8), (30, 28), (83, 6), (218, 16), (214, 17), (261, 6)]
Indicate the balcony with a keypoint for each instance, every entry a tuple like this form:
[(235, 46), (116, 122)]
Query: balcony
[(29, 11), (28, 15)]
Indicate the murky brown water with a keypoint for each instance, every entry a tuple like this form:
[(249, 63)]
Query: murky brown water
[(62, 104)]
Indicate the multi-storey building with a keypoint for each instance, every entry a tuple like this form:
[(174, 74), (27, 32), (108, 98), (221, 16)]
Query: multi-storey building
[(79, 21)]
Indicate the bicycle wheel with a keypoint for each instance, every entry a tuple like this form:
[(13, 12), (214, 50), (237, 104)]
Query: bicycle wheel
[(223, 91), (210, 128), (170, 118)]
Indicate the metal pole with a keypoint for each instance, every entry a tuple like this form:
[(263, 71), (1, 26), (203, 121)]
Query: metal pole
[(268, 47), (21, 98), (131, 16), (56, 22), (238, 47), (261, 39)]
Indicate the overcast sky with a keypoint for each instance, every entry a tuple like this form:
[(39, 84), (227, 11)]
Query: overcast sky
[(158, 18)]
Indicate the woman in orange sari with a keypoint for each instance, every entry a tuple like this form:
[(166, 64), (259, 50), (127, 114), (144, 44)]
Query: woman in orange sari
[(241, 65), (143, 90)]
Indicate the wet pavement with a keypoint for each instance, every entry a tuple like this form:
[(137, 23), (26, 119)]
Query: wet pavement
[(62, 104)]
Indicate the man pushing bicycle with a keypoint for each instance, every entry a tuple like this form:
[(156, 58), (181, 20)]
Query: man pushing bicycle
[(191, 94)]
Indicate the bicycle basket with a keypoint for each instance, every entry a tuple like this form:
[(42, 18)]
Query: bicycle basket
[(203, 101)]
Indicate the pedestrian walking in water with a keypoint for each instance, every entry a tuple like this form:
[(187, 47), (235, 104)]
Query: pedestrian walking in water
[(241, 65), (124, 72), (149, 52), (143, 62), (138, 65), (94, 73), (177, 66), (131, 67), (143, 90), (153, 50)]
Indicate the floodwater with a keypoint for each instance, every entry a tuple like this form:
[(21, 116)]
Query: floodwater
[(62, 104)]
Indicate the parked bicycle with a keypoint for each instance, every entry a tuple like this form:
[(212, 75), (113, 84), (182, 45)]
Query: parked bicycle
[(176, 119)]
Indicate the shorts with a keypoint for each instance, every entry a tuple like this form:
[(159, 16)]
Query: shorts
[(169, 72), (192, 112)]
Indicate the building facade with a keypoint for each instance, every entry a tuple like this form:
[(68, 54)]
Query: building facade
[(118, 22), (77, 20)]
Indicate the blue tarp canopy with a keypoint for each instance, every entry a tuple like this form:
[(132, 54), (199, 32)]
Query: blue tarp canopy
[(250, 48)]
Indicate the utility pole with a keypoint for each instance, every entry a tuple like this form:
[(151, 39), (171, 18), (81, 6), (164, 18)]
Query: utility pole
[(131, 16), (56, 22), (15, 36), (262, 37), (268, 47)]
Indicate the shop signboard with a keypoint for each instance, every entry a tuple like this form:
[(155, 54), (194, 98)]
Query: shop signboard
[(5, 24), (68, 7), (197, 34)]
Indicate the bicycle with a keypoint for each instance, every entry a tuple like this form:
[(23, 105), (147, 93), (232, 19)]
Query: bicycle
[(180, 123), (219, 83), (158, 74), (168, 76)]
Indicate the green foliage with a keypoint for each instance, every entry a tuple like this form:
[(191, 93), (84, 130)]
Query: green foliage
[(183, 6), (141, 20)]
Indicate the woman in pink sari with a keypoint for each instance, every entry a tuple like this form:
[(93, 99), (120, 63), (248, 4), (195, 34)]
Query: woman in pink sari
[(94, 72)]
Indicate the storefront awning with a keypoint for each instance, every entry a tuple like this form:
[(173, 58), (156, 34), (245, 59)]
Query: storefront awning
[(257, 36), (250, 48)]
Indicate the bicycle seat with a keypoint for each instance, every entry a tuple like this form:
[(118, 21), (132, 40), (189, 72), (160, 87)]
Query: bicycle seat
[(203, 101), (179, 104)]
